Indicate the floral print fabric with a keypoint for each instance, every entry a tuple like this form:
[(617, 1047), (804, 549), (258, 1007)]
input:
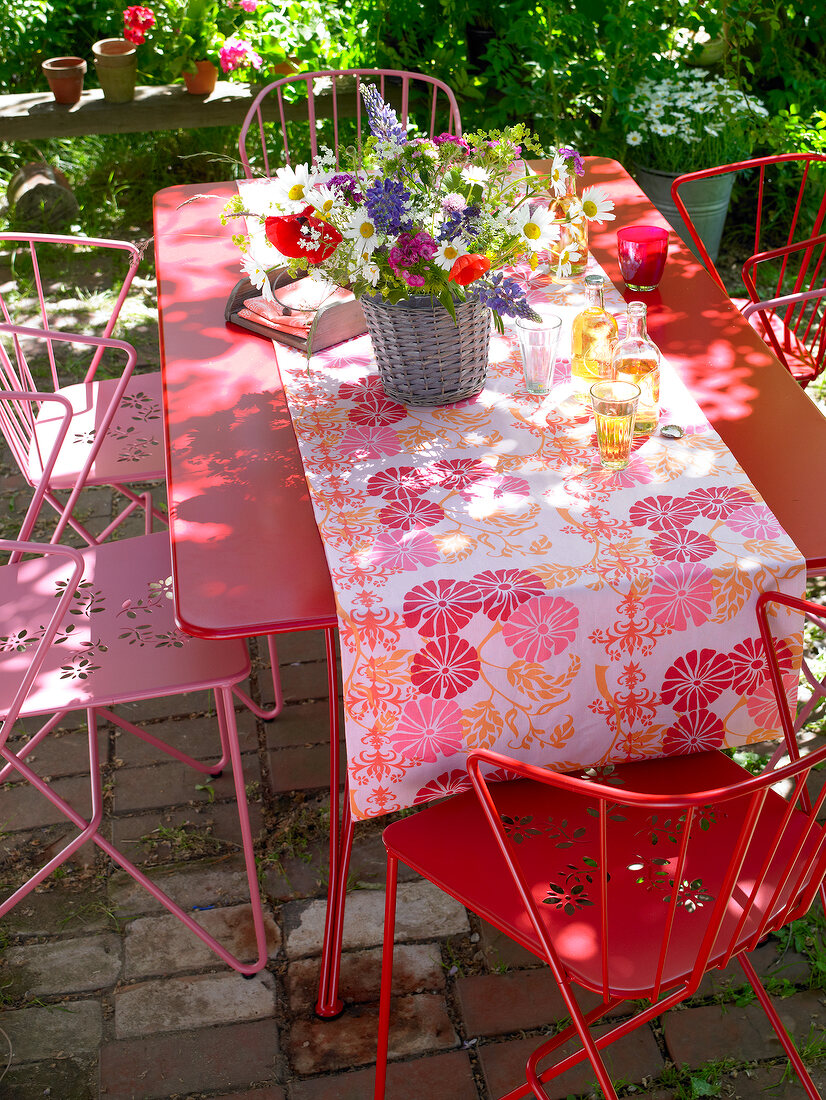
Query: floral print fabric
[(498, 588)]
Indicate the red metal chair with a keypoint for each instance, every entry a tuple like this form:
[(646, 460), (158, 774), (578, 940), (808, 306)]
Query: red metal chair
[(131, 407), (91, 629), (793, 324), (630, 882), (811, 194), (336, 96)]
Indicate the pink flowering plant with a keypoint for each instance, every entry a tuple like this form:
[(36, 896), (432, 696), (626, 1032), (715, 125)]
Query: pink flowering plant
[(413, 216), (186, 31)]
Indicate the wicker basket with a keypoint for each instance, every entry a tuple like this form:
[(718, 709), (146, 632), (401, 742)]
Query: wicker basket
[(424, 358)]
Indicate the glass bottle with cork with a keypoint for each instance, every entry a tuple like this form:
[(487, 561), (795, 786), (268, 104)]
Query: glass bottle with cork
[(637, 359), (593, 336)]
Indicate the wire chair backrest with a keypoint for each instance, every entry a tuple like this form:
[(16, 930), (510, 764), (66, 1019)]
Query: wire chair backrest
[(335, 94), (811, 197), (32, 246)]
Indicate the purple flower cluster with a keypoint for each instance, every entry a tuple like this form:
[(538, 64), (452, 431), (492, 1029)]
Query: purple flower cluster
[(384, 123), (504, 296), (462, 223), (348, 184), (408, 250), (387, 206), (572, 154)]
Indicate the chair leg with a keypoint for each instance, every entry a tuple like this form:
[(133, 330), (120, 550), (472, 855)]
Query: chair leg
[(785, 1040), (87, 829), (213, 768), (250, 704), (386, 977)]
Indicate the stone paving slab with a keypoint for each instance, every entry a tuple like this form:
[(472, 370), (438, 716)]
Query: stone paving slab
[(237, 1055), (416, 968), (66, 965), (54, 1031), (182, 1004), (440, 1075)]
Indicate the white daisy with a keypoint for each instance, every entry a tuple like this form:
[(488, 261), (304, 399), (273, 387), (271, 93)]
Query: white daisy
[(475, 174), (449, 252), (369, 271), (323, 199), (257, 275), (634, 137), (290, 187), (567, 256), (537, 228), (559, 175), (362, 231), (596, 206)]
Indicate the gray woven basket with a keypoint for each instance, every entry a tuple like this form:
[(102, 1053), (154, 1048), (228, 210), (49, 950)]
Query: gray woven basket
[(424, 358)]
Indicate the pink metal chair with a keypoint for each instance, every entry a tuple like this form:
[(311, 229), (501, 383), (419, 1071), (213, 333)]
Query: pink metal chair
[(793, 324), (631, 883), (134, 453), (336, 96), (91, 629), (811, 194)]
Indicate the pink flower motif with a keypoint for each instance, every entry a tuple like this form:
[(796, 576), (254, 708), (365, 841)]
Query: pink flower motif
[(361, 388), (411, 512), (364, 441), (496, 488), (719, 502), (755, 522), (677, 545), (680, 592), (761, 705), (403, 550), (663, 513), (238, 54), (750, 667), (376, 408), (447, 783), (503, 590), (428, 728), (440, 607), (398, 482), (696, 732), (458, 473), (445, 667), (697, 679), (541, 627)]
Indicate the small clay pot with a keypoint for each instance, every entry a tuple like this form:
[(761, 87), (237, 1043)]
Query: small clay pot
[(65, 76), (203, 80), (116, 65)]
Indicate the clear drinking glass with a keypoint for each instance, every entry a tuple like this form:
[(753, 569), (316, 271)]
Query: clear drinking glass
[(615, 406), (538, 344)]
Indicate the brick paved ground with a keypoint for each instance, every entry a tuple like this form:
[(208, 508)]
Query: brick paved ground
[(103, 994)]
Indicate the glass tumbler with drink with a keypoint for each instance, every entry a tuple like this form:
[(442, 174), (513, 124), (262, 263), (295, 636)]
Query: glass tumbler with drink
[(636, 359), (593, 335), (615, 405), (641, 250)]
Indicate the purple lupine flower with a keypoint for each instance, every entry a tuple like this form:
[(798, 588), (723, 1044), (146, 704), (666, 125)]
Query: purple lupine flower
[(387, 205), (572, 154), (384, 123), (464, 223), (504, 296), (348, 184)]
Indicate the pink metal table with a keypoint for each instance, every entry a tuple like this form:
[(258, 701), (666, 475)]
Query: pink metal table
[(240, 512)]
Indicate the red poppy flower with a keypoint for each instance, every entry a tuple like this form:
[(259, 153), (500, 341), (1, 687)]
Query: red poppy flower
[(469, 268), (302, 236)]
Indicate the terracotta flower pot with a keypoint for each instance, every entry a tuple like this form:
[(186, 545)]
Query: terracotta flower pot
[(203, 80), (116, 65), (65, 76)]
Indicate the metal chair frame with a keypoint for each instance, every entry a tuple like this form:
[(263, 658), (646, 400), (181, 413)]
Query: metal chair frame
[(352, 79), (652, 873)]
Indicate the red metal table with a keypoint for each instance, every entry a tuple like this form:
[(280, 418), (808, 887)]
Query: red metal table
[(241, 517)]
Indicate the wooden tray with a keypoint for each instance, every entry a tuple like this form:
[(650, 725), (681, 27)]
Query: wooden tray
[(338, 318)]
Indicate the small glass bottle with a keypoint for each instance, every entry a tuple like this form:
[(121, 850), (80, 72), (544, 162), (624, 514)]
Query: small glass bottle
[(571, 234), (636, 359), (593, 336)]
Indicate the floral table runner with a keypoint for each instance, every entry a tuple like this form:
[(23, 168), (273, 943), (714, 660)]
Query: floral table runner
[(497, 588)]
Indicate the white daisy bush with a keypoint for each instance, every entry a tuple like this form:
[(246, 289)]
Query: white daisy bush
[(412, 216), (689, 120)]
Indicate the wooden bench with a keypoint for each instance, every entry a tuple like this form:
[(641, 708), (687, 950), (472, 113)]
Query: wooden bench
[(32, 117)]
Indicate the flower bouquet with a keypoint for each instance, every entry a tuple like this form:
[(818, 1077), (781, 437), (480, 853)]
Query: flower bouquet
[(689, 120), (410, 216)]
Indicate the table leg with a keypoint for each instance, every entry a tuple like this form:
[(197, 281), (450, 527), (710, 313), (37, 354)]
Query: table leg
[(329, 1004)]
